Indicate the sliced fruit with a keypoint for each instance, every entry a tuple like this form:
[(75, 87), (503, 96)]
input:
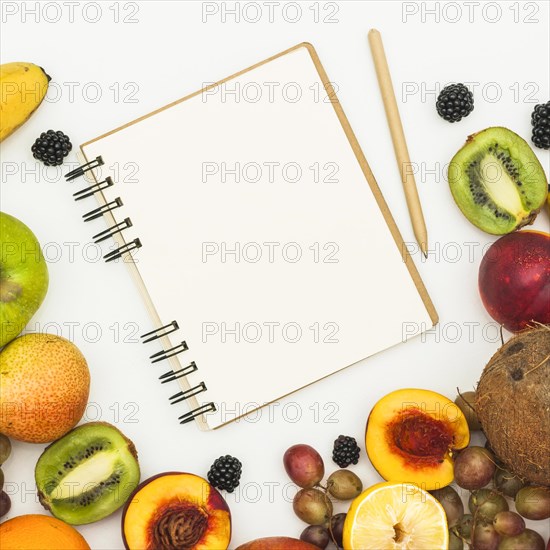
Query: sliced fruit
[(497, 181), (40, 532), (277, 543), (395, 516), (176, 510), (88, 474), (411, 437)]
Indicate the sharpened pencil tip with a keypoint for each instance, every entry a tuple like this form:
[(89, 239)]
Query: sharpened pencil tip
[(424, 249)]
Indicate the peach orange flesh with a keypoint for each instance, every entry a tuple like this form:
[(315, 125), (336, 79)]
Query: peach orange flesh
[(419, 437)]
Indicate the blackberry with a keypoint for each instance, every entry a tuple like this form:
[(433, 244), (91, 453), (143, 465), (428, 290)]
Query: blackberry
[(51, 147), (455, 102), (540, 119), (346, 451), (225, 473)]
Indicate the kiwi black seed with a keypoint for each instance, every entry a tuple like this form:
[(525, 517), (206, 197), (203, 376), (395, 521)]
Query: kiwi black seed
[(87, 474), (497, 181)]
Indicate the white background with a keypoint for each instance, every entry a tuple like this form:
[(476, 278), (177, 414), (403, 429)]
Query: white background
[(170, 50)]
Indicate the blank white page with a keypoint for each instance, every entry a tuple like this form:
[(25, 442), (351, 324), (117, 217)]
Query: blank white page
[(261, 165)]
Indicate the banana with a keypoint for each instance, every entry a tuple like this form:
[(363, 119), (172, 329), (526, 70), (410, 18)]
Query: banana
[(22, 89)]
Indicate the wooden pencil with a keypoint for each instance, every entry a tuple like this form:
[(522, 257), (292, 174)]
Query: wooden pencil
[(398, 138)]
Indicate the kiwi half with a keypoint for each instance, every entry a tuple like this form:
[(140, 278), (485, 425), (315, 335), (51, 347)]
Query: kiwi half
[(497, 181), (87, 474)]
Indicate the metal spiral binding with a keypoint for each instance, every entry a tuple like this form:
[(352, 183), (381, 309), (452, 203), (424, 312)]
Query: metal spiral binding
[(165, 330), (115, 254), (81, 170), (154, 334), (89, 191), (118, 228), (171, 375), (98, 212), (183, 395), (165, 354), (191, 415)]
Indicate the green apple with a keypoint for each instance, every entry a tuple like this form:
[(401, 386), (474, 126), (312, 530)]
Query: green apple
[(23, 276)]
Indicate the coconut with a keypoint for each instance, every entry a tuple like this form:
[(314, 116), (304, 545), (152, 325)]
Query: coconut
[(513, 404)]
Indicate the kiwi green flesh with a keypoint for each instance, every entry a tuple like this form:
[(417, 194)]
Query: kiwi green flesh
[(497, 181), (88, 474)]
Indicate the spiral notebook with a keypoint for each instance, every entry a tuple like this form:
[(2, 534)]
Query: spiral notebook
[(257, 235)]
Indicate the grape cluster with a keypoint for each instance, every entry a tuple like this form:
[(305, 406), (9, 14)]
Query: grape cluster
[(313, 503)]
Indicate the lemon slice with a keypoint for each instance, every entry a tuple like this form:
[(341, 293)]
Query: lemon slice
[(396, 516)]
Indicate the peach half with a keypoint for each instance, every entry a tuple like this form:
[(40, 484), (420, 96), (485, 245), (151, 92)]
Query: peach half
[(412, 436), (277, 543), (176, 510)]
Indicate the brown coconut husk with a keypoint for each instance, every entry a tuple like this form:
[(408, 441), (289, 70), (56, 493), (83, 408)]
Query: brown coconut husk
[(513, 404)]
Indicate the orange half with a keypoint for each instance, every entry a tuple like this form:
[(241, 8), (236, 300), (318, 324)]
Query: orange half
[(395, 516)]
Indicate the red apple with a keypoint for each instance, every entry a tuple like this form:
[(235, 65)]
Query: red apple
[(514, 279)]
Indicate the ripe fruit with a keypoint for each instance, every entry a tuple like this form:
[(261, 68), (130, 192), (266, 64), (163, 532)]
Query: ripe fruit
[(23, 276), (316, 535), (514, 280), (455, 543), (540, 119), (312, 506), (497, 181), (277, 543), (455, 102), (466, 402), (464, 527), (344, 485), (411, 435), (395, 515), (533, 502), (225, 473), (528, 540), (485, 504), (485, 537), (512, 402), (304, 465), (39, 532), (345, 451), (51, 147), (452, 504), (176, 510), (508, 524), (45, 384), (24, 86), (474, 468), (5, 448), (87, 474), (5, 503), (507, 483), (337, 528)]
